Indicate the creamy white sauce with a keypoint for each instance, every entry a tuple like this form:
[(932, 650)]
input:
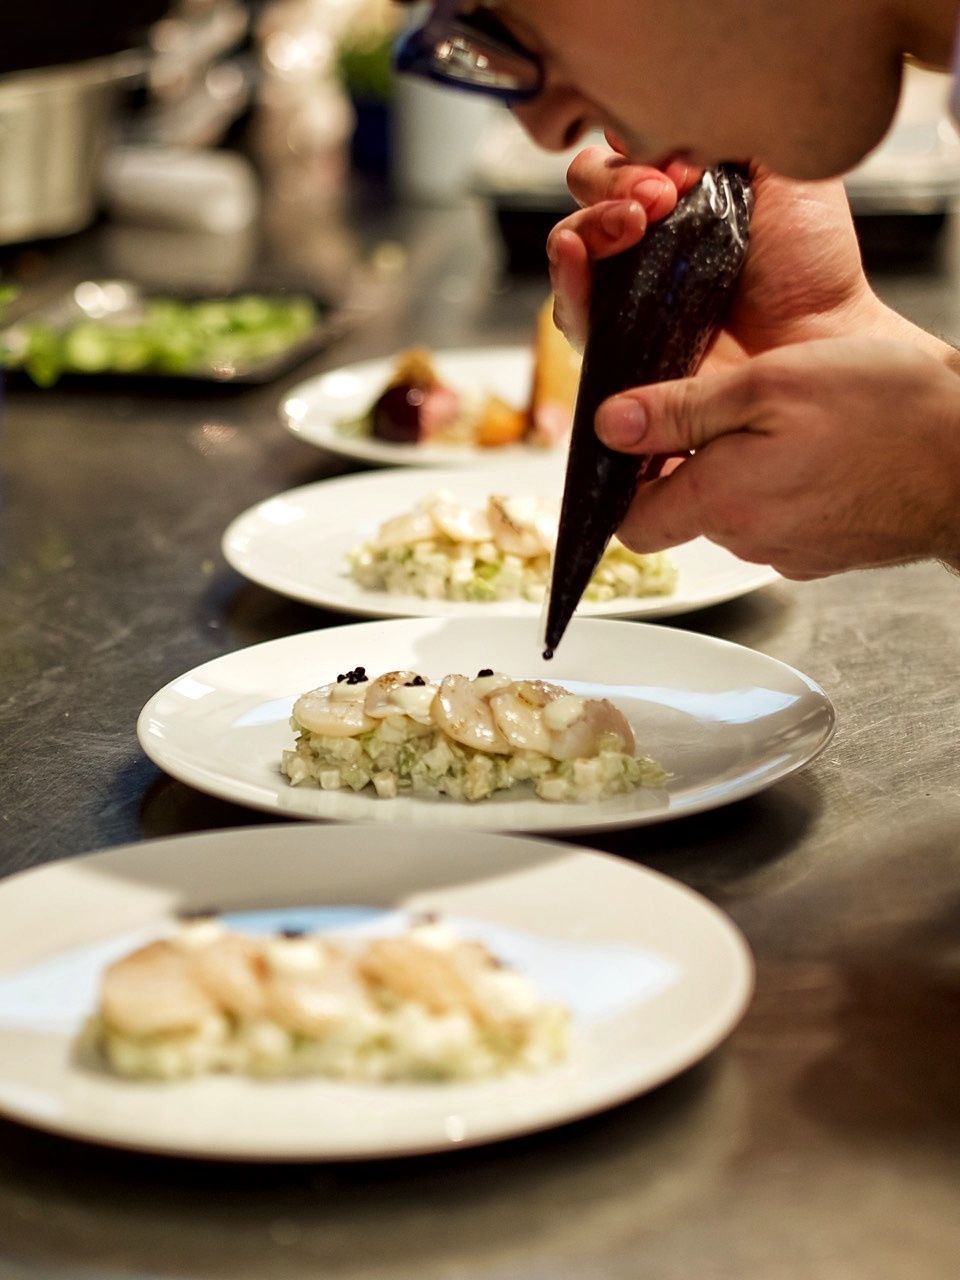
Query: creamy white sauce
[(346, 692), (295, 955)]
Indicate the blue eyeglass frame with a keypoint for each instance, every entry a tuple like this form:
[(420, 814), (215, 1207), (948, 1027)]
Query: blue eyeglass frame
[(416, 53)]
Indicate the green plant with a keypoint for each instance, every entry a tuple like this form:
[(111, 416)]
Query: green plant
[(364, 67)]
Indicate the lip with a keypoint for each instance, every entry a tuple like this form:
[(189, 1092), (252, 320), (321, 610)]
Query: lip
[(684, 157)]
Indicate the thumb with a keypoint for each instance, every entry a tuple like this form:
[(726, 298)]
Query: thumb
[(674, 417)]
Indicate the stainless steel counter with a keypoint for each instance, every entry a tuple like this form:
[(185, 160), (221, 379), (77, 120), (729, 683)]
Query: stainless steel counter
[(821, 1143)]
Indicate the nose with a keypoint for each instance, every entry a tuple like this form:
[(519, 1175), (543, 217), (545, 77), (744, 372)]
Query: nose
[(556, 118)]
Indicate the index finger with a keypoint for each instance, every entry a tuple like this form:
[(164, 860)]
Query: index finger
[(597, 174), (681, 173)]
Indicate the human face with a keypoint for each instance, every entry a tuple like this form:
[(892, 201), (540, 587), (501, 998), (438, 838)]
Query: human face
[(808, 87)]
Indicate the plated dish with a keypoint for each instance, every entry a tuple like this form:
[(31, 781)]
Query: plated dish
[(499, 549), (722, 721), (325, 410), (464, 738), (418, 406), (426, 1004), (653, 978), (319, 543)]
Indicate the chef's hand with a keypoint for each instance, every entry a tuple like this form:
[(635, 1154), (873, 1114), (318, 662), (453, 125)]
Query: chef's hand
[(618, 200), (830, 455), (847, 471), (803, 278)]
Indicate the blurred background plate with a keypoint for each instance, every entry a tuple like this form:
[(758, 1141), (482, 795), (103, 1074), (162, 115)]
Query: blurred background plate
[(654, 976), (325, 410), (298, 543)]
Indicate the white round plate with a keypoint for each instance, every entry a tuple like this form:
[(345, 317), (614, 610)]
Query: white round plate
[(315, 409), (297, 543), (654, 976), (724, 721)]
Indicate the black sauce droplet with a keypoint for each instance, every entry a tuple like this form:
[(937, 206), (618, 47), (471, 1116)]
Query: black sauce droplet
[(547, 655), (487, 671)]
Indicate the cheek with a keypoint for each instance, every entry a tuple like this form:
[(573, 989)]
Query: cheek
[(677, 77)]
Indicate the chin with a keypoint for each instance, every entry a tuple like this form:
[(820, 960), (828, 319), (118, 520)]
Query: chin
[(834, 146), (821, 163)]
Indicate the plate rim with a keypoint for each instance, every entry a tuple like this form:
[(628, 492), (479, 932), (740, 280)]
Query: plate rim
[(659, 607), (732, 1009), (224, 790)]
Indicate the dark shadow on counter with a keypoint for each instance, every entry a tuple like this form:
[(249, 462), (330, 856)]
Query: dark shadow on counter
[(891, 1074), (714, 852), (253, 614), (646, 1161), (891, 1071), (171, 808), (752, 619)]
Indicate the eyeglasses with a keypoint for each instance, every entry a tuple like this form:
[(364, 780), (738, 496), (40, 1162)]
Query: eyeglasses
[(472, 51)]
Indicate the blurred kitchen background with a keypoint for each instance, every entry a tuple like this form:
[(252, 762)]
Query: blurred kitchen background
[(205, 146)]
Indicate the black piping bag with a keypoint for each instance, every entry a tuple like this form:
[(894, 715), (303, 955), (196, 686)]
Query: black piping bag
[(653, 312)]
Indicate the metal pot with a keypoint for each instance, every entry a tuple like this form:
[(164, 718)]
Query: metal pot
[(53, 125)]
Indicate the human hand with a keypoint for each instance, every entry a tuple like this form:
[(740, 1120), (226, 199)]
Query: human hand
[(815, 458), (618, 201), (802, 279)]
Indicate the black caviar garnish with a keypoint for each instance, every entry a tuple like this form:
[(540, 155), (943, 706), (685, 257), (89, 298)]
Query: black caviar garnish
[(292, 934), (487, 671), (357, 676), (417, 682)]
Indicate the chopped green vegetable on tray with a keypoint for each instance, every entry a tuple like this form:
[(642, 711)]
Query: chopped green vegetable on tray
[(166, 337)]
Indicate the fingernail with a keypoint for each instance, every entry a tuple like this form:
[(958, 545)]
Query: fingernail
[(621, 421), (552, 254), (649, 191)]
